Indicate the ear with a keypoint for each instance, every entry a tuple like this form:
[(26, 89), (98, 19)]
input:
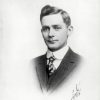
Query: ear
[(70, 30)]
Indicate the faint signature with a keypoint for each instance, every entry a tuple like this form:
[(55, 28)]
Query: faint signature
[(76, 92)]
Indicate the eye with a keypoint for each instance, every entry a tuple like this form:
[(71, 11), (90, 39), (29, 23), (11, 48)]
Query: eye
[(57, 27), (45, 28)]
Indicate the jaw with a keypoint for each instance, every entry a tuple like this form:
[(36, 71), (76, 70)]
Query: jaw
[(55, 46)]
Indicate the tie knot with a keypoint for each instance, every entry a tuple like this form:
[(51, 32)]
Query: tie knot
[(51, 59)]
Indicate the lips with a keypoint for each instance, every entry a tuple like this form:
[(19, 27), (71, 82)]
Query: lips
[(52, 41)]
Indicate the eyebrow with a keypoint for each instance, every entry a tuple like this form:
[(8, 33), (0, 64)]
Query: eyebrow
[(47, 26), (56, 25)]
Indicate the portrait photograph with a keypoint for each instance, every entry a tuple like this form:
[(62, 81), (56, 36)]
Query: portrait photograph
[(49, 49)]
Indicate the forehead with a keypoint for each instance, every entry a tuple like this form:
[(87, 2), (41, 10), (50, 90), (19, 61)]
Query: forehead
[(52, 19)]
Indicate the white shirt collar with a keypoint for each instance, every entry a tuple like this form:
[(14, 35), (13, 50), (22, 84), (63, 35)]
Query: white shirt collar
[(59, 54)]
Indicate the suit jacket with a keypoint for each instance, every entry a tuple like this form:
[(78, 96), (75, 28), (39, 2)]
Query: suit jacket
[(67, 65)]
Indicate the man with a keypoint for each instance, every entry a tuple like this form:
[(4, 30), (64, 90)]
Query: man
[(54, 67)]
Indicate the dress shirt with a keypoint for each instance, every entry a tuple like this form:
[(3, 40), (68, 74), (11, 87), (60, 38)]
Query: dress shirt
[(59, 55)]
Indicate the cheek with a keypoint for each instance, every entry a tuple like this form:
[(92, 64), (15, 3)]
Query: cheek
[(62, 36)]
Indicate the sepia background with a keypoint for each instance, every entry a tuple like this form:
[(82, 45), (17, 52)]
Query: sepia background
[(21, 41)]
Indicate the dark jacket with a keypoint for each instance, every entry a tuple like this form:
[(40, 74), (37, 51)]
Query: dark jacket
[(70, 61)]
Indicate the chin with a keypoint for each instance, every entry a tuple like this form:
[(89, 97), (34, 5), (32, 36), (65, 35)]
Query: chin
[(53, 48)]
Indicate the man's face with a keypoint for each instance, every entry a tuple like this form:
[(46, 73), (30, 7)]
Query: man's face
[(55, 32)]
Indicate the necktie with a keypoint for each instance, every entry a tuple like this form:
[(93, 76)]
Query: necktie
[(50, 65)]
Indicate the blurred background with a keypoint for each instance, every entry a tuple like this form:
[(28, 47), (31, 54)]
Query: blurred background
[(21, 41)]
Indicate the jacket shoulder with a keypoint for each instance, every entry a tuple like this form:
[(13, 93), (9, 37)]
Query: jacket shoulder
[(76, 55), (73, 56), (39, 58), (77, 58)]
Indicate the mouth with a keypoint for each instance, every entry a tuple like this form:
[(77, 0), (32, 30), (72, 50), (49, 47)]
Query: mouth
[(52, 41)]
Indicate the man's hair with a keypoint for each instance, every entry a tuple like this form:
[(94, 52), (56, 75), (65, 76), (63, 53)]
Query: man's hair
[(50, 10)]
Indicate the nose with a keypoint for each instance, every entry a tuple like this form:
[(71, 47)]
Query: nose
[(51, 32)]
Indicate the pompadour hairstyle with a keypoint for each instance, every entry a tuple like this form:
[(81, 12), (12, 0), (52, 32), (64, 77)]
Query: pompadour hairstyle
[(50, 10)]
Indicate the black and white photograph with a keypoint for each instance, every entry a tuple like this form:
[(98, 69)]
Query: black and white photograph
[(59, 60), (49, 49)]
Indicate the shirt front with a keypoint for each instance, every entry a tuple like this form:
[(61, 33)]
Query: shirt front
[(59, 55)]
